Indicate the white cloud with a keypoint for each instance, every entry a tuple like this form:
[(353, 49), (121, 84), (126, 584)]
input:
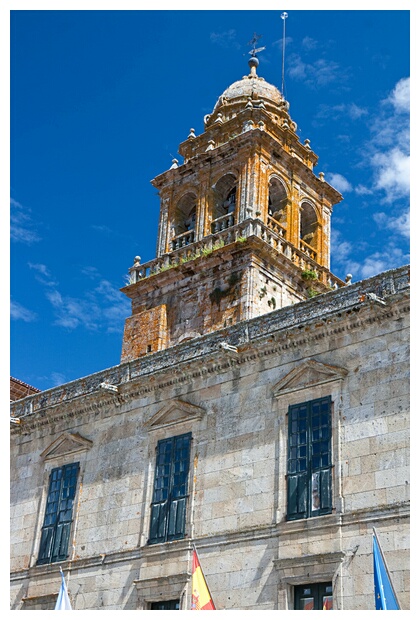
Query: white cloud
[(43, 274), (392, 173), (225, 39), (318, 73), (362, 190), (101, 308), (400, 96), (399, 224), (22, 227), (340, 111), (388, 152), (20, 313), (339, 182), (309, 44)]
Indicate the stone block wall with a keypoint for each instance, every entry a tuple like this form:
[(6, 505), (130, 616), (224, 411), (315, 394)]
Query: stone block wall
[(235, 405)]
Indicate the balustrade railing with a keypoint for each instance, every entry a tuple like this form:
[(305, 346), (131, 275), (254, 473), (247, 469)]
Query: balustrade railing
[(221, 223), (276, 226), (183, 239), (308, 250), (185, 252)]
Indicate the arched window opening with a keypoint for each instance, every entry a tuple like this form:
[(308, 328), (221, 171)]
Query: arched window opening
[(224, 206), (277, 206), (183, 225), (308, 224)]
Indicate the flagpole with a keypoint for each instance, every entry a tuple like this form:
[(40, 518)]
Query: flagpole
[(284, 16), (386, 566)]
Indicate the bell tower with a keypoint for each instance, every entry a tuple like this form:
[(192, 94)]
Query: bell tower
[(244, 225)]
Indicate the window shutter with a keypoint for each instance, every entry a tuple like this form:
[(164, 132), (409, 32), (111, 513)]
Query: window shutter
[(326, 504), (309, 459), (297, 495), (168, 510), (58, 518)]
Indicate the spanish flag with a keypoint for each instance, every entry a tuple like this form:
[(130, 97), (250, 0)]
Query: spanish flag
[(201, 598)]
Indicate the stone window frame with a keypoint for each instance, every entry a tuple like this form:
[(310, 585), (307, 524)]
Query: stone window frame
[(68, 448), (309, 381), (176, 417), (308, 569), (167, 588)]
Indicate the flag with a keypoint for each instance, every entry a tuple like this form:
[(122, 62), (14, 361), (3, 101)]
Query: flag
[(385, 597), (63, 601), (200, 598)]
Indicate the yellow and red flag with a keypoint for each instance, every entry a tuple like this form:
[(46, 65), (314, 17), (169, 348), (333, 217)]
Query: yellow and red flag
[(201, 598)]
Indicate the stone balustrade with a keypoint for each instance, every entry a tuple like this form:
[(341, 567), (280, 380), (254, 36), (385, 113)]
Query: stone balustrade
[(183, 239), (221, 223), (185, 252)]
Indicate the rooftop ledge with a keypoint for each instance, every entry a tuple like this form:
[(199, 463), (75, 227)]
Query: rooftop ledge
[(377, 290)]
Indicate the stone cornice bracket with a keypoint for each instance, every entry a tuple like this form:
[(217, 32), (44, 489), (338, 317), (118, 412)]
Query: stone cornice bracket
[(112, 389), (231, 350)]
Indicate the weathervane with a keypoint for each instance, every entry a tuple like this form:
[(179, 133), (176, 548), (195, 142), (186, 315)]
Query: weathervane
[(253, 41)]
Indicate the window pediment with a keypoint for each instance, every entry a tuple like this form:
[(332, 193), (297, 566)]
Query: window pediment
[(175, 412), (308, 374), (65, 445)]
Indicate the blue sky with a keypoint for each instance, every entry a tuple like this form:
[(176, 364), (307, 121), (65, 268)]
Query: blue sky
[(101, 99)]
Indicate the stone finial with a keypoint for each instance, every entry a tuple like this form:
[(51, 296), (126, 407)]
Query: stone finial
[(192, 133), (174, 164), (308, 144), (219, 118), (211, 145), (322, 176), (137, 260), (348, 278)]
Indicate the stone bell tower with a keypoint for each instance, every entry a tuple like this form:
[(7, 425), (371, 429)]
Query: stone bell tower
[(244, 224)]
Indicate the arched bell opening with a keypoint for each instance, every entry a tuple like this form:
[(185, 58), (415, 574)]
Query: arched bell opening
[(183, 224), (309, 229), (277, 206), (224, 203)]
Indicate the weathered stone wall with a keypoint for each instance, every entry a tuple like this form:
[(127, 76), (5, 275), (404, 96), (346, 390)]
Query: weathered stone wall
[(346, 344)]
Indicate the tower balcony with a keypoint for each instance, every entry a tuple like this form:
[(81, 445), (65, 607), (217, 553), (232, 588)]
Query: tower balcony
[(304, 258)]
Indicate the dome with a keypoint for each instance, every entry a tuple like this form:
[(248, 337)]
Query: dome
[(252, 91), (251, 86)]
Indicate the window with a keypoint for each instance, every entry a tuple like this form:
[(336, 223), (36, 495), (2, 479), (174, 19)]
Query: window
[(165, 605), (170, 489), (316, 596), (309, 459), (58, 514)]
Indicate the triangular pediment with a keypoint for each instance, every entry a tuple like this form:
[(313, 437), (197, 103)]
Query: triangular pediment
[(308, 374), (175, 412), (66, 444)]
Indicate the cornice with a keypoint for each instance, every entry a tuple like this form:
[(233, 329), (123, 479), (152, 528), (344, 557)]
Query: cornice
[(340, 311)]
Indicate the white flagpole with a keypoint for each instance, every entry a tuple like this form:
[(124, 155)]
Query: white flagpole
[(284, 16), (63, 601)]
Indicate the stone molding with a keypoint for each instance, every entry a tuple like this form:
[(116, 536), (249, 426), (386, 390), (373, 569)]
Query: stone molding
[(66, 444), (174, 412), (309, 374), (321, 317)]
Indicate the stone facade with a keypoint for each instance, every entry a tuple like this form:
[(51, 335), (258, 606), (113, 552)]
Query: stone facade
[(231, 389), (259, 412)]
